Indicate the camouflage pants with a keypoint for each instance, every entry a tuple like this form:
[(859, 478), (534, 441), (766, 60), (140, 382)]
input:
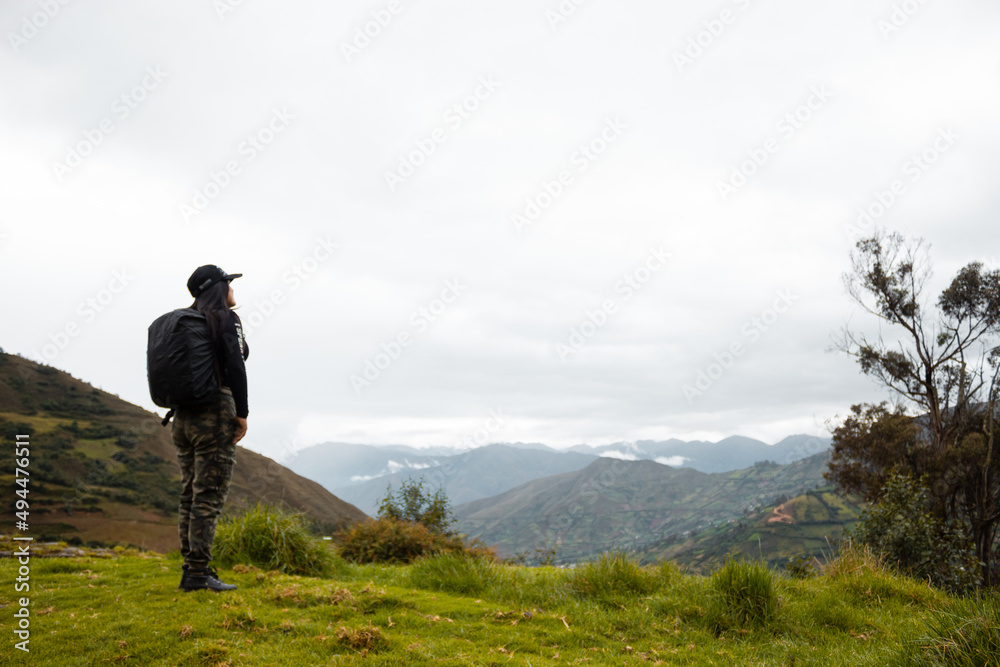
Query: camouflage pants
[(204, 440)]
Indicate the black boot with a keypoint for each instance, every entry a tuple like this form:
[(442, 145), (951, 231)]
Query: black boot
[(208, 579), (184, 575)]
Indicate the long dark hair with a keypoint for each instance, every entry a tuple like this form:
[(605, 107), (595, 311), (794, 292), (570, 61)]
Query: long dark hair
[(212, 304)]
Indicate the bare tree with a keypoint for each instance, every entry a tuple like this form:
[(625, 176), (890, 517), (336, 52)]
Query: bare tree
[(942, 363)]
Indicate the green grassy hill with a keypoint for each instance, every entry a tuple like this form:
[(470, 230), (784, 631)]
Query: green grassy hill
[(615, 504), (104, 470), (806, 524), (128, 611)]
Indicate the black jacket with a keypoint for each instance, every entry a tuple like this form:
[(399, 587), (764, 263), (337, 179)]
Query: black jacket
[(233, 351)]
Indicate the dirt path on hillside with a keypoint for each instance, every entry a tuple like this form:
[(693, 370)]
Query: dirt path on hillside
[(781, 515)]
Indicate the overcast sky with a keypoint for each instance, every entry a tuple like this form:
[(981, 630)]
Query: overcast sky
[(562, 214)]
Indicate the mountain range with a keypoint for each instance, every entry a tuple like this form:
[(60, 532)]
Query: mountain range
[(616, 504), (731, 453), (361, 474)]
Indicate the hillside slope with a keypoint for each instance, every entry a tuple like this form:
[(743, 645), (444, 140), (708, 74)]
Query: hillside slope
[(615, 504), (808, 524), (105, 470)]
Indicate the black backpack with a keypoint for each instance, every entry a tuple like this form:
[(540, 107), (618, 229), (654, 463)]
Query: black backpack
[(181, 363)]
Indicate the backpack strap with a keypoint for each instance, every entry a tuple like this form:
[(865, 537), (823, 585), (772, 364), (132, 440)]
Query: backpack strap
[(166, 420)]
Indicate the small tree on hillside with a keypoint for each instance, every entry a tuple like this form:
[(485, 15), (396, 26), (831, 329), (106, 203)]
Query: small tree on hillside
[(412, 503), (946, 366), (411, 523), (899, 527)]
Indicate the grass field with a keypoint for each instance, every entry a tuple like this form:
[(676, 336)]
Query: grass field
[(453, 611)]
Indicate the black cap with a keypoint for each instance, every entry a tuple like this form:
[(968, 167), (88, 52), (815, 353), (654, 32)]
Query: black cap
[(206, 276)]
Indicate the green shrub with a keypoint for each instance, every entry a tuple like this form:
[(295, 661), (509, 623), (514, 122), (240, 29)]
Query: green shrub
[(919, 544), (411, 503), (614, 578), (271, 538), (743, 596), (967, 635), (388, 540), (456, 573)]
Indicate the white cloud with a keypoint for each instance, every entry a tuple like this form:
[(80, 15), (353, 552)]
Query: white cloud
[(396, 466), (392, 467), (672, 461), (618, 454)]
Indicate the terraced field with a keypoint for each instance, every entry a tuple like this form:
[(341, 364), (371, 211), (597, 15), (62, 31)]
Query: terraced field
[(805, 525)]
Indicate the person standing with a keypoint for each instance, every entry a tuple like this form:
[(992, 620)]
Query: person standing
[(206, 435)]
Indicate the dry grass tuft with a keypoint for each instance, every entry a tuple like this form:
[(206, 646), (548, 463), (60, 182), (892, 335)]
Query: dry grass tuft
[(364, 639)]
